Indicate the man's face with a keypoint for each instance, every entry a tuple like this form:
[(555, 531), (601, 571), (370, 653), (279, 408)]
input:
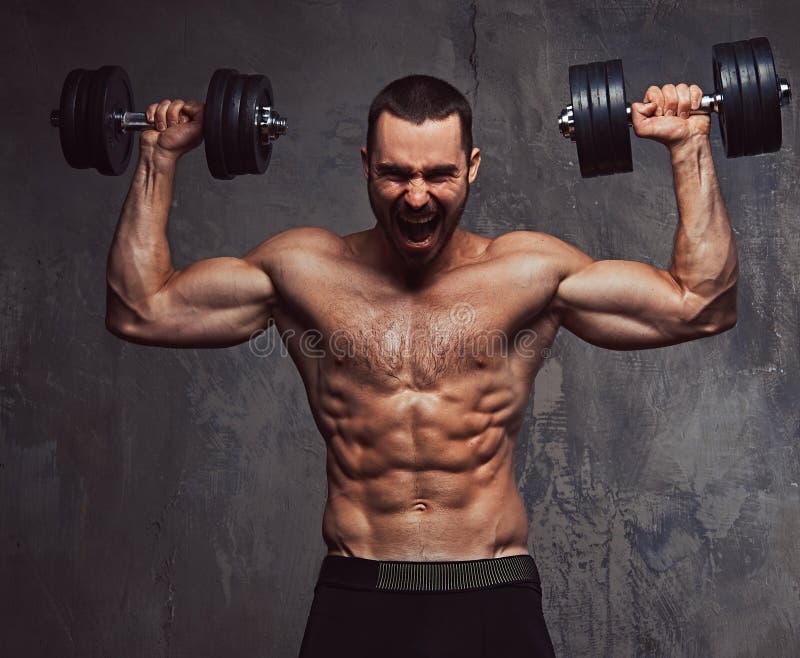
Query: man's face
[(418, 181)]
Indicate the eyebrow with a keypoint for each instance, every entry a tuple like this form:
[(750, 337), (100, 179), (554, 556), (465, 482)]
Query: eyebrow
[(392, 169)]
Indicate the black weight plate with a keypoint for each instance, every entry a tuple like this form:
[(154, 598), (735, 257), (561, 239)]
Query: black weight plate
[(110, 94), (248, 125), (618, 114), (94, 126), (70, 119), (230, 124), (601, 121), (771, 130), (118, 101), (212, 123), (731, 116), (582, 118), (255, 155), (751, 97), (82, 115)]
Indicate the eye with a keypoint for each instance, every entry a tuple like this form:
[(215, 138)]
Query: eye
[(394, 177)]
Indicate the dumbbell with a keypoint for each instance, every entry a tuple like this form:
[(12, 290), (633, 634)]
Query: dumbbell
[(96, 121), (747, 99)]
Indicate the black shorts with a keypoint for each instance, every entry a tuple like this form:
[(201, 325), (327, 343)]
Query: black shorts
[(465, 609)]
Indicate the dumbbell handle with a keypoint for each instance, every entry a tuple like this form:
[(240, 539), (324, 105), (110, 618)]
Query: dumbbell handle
[(272, 124), (708, 105)]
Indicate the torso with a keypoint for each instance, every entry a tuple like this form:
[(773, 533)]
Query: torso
[(419, 395)]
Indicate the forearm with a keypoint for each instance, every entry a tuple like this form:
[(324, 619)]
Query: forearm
[(139, 261), (704, 261)]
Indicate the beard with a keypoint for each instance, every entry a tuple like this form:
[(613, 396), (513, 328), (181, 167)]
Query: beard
[(387, 221)]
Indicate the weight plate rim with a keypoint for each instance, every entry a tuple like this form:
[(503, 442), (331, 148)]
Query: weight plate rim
[(93, 120), (578, 83), (258, 93), (126, 138), (82, 101), (212, 124), (723, 59), (750, 95), (268, 100), (231, 112), (602, 132), (73, 150), (99, 115), (772, 127), (618, 113), (248, 125)]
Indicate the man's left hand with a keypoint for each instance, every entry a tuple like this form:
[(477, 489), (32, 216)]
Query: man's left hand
[(664, 115)]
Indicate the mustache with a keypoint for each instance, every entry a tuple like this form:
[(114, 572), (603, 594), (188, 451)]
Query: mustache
[(400, 207)]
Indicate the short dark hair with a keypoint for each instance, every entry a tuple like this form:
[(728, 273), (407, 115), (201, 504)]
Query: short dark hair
[(417, 98)]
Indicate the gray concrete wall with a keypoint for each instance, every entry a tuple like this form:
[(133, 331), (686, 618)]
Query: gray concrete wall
[(158, 502)]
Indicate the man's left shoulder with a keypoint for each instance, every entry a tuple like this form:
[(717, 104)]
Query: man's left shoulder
[(541, 254), (535, 243)]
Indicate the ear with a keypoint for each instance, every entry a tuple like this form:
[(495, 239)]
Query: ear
[(474, 164), (365, 162)]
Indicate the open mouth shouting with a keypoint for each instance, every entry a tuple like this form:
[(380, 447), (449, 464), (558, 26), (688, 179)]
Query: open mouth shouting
[(418, 230)]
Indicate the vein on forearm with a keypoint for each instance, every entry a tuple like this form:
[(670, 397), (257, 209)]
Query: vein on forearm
[(140, 261), (704, 255)]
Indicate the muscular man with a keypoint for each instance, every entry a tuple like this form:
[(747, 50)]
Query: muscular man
[(426, 339)]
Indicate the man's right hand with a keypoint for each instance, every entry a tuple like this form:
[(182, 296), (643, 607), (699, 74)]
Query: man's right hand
[(178, 127)]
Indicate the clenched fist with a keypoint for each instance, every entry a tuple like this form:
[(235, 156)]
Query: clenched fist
[(664, 114), (178, 127)]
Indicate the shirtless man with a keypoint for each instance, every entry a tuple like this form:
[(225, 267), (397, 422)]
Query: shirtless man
[(418, 380)]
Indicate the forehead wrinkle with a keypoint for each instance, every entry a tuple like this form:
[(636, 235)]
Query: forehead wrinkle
[(432, 143)]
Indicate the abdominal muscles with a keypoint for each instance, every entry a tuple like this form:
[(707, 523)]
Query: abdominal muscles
[(421, 474)]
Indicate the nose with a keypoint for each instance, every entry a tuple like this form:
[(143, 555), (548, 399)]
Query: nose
[(417, 195)]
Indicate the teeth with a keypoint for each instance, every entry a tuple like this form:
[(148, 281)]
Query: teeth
[(419, 220)]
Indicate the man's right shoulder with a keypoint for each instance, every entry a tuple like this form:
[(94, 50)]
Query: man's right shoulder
[(306, 238), (300, 242)]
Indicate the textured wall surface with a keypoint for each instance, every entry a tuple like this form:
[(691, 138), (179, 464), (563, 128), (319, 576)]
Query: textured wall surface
[(158, 502)]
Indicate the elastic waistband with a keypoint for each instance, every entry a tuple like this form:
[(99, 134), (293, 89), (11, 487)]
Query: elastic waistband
[(360, 573)]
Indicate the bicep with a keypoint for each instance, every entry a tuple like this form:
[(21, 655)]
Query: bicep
[(626, 305), (216, 302)]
